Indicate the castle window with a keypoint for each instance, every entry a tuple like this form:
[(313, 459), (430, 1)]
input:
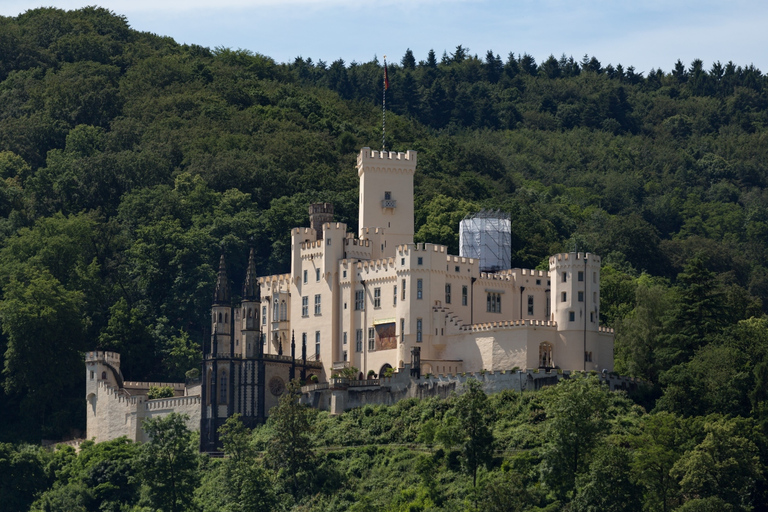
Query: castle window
[(303, 339), (464, 292), (371, 339), (226, 318), (328, 241), (359, 340), (419, 288), (571, 316), (538, 281), (344, 356), (317, 345), (592, 316), (530, 304), (377, 298), (103, 375), (563, 297), (223, 388), (581, 296), (305, 277), (387, 195), (402, 330), (283, 311), (447, 293), (305, 306), (92, 375), (493, 302), (276, 310), (264, 315), (317, 274), (402, 261), (344, 273), (420, 260), (359, 300), (219, 317), (581, 275), (457, 268), (418, 329), (250, 312), (403, 292), (565, 277), (317, 304), (345, 338), (594, 277), (394, 296)]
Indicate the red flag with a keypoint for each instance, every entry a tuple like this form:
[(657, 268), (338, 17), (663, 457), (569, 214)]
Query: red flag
[(386, 77)]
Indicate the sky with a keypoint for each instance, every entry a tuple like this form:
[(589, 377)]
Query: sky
[(646, 34)]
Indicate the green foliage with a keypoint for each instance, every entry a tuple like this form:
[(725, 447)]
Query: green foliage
[(159, 392), (168, 463), (290, 450)]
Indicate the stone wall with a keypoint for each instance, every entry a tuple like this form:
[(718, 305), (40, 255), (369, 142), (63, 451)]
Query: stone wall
[(340, 395)]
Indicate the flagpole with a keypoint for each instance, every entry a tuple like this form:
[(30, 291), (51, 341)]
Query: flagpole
[(384, 109)]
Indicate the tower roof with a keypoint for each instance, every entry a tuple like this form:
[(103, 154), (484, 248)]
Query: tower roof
[(251, 288), (222, 294)]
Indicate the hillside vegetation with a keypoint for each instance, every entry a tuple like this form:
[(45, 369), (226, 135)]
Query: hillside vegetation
[(128, 162)]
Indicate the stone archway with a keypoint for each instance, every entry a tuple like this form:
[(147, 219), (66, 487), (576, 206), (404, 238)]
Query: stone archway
[(384, 368), (545, 355)]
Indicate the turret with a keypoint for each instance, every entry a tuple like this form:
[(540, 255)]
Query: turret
[(575, 296), (250, 307), (221, 312), (319, 214)]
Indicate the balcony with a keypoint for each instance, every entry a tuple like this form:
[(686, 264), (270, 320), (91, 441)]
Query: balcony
[(388, 203)]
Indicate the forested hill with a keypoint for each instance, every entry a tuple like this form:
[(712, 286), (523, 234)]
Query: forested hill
[(129, 162)]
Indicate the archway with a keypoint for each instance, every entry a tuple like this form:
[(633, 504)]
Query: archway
[(545, 355), (383, 370)]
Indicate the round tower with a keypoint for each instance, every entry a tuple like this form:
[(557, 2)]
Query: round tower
[(575, 295)]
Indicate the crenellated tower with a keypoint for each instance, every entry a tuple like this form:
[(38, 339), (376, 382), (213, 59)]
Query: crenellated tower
[(386, 196)]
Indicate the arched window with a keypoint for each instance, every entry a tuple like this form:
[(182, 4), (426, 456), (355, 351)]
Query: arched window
[(219, 316), (250, 312), (103, 375), (283, 311), (226, 318), (223, 388), (275, 310)]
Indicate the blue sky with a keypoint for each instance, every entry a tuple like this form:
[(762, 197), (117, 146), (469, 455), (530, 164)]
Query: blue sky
[(644, 33)]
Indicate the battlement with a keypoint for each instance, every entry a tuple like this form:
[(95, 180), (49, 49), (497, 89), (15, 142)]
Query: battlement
[(367, 154), (508, 324), (321, 208), (571, 258), (362, 242), (171, 403), (103, 356), (532, 272), (460, 259), (495, 277), (177, 386), (373, 231), (608, 330)]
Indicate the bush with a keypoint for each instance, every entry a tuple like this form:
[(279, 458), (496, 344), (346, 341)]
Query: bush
[(156, 392)]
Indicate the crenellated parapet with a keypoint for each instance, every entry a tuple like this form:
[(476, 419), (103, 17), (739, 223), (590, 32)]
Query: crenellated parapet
[(103, 356), (386, 161)]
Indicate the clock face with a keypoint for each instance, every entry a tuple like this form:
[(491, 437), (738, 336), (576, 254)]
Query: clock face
[(276, 386)]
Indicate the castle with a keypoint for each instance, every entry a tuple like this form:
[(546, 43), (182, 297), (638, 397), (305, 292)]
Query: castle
[(379, 302)]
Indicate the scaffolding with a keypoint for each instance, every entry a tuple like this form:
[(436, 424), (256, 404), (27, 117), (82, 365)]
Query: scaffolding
[(487, 237)]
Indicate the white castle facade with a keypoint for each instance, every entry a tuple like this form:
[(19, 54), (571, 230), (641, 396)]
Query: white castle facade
[(368, 300), (375, 301)]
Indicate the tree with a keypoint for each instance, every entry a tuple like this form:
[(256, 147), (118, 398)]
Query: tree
[(168, 462), (409, 61), (290, 450), (608, 486), (576, 421), (239, 483), (475, 419), (724, 465), (657, 447)]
